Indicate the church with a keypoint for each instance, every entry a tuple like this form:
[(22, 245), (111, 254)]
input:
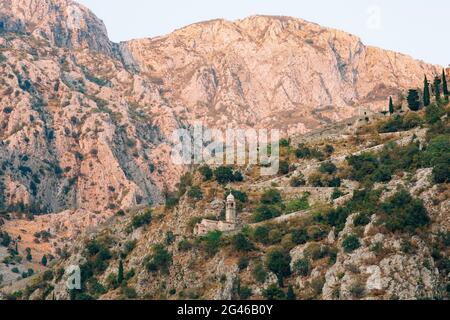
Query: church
[(230, 223)]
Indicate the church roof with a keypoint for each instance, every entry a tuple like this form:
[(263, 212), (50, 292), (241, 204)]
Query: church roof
[(230, 197)]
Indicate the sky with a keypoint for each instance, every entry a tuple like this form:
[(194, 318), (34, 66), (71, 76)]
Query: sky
[(414, 27)]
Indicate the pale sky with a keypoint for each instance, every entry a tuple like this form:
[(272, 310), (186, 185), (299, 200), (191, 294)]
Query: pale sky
[(414, 27)]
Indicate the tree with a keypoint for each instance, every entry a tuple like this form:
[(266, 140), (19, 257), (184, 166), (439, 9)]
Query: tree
[(291, 294), (278, 261), (224, 175), (160, 260), (426, 92), (120, 277), (444, 84), (206, 172), (391, 106), (413, 100), (274, 293), (44, 260), (437, 88), (271, 196), (29, 256), (242, 244)]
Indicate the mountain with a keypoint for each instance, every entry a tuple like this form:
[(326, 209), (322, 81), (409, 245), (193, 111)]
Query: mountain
[(63, 23), (267, 71), (359, 212)]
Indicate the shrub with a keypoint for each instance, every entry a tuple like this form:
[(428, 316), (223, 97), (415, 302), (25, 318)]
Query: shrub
[(206, 172), (434, 113), (184, 245), (299, 236), (336, 194), (261, 234), (195, 193), (278, 261), (328, 167), (274, 293), (351, 243), (259, 273), (284, 167), (271, 197), (242, 243), (243, 263), (142, 219), (224, 175), (357, 289), (212, 242), (245, 293), (240, 196), (298, 204), (404, 213), (160, 260), (266, 212), (361, 220), (302, 267), (297, 181)]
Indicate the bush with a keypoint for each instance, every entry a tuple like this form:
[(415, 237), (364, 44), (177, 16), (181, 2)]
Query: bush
[(351, 243), (298, 204), (142, 219), (259, 273), (434, 113), (160, 260), (261, 235), (297, 181), (278, 261), (302, 267), (245, 293), (242, 243), (336, 194), (361, 220), (184, 245), (299, 236), (266, 212), (224, 175), (328, 167), (404, 213), (271, 197), (212, 242), (274, 293), (243, 263), (206, 172), (195, 193), (284, 167)]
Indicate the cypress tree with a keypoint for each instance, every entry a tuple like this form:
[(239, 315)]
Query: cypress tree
[(44, 260), (391, 106), (291, 294), (413, 100), (444, 84), (426, 92), (120, 273), (437, 88)]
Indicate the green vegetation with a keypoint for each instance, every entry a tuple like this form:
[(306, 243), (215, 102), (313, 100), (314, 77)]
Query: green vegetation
[(226, 175), (142, 219), (404, 213), (274, 293), (391, 106), (212, 242), (426, 92), (195, 193), (298, 204), (302, 267), (206, 172), (351, 243), (278, 261), (304, 152), (400, 123), (160, 260), (413, 100), (242, 243)]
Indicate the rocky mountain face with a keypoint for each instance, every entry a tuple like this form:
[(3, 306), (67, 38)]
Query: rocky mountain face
[(63, 23), (272, 72), (85, 128), (83, 118)]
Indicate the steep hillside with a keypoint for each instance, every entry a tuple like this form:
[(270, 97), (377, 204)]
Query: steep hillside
[(360, 216)]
